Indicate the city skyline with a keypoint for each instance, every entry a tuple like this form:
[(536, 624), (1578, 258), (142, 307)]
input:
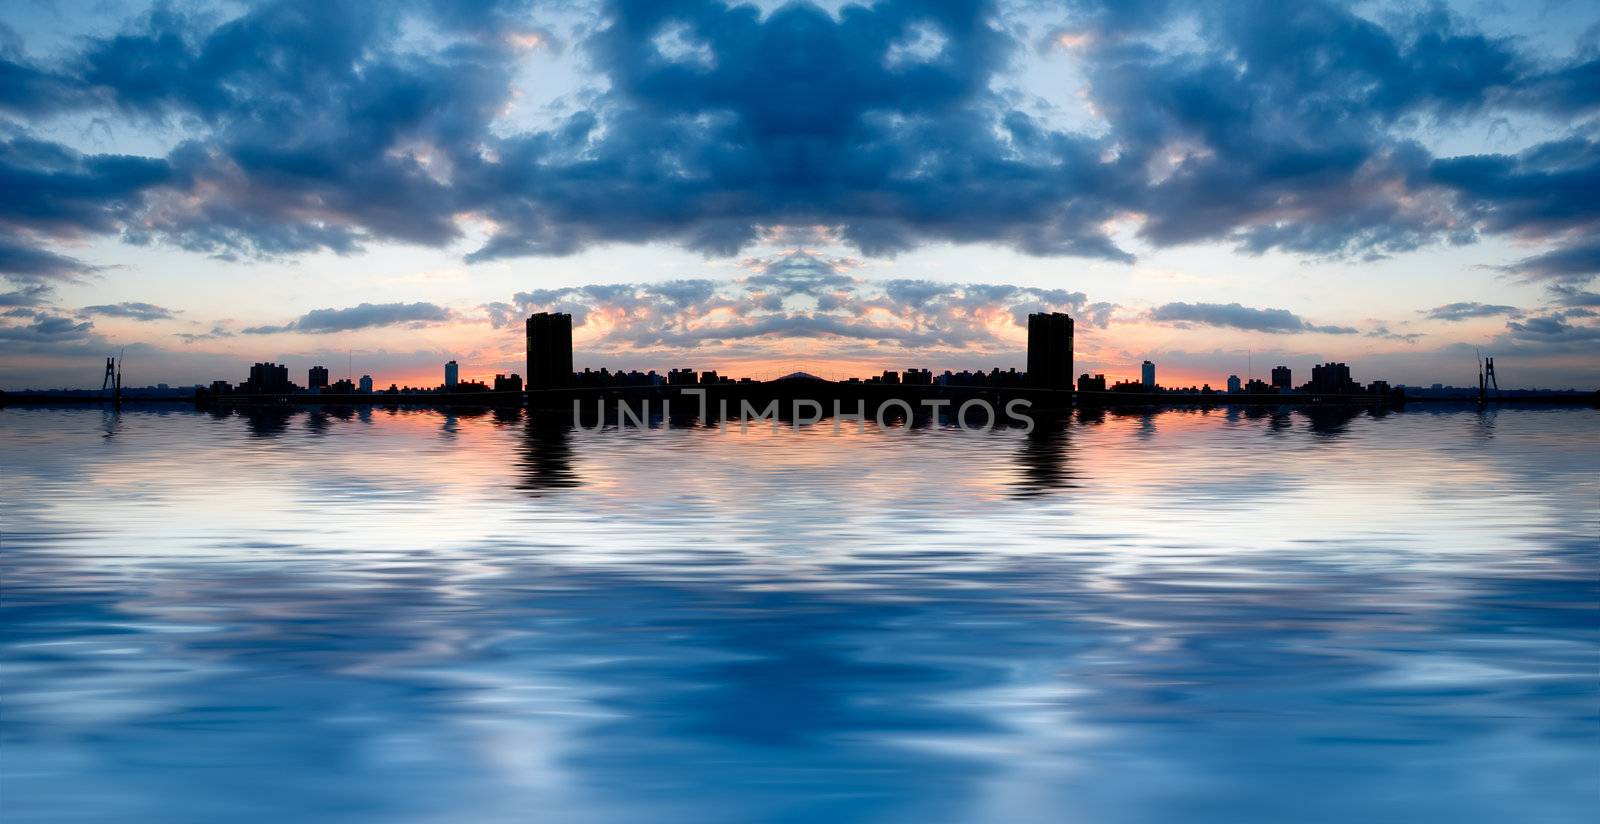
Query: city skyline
[(702, 184), (1050, 367)]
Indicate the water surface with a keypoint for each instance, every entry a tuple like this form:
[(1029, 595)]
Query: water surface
[(419, 616)]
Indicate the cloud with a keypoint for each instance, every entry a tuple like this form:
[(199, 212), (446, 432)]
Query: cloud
[(134, 310), (46, 328), (1573, 296), (303, 126), (22, 260), (217, 332), (1236, 316), (1465, 310), (33, 294), (1383, 332), (1568, 335), (1577, 263), (363, 316), (796, 297), (1556, 328)]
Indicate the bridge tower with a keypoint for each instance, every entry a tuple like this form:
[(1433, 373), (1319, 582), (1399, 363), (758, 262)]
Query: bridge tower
[(1486, 378), (113, 379)]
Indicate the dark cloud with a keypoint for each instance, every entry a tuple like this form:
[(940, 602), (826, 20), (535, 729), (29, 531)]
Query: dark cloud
[(363, 316), (23, 260), (1556, 327), (1465, 310), (1236, 316), (134, 310), (1565, 295), (322, 126), (46, 327), (27, 294), (1576, 263)]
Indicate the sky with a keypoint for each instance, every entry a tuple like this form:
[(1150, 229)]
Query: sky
[(831, 187)]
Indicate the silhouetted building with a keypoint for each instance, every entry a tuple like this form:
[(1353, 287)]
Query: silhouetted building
[(1050, 350), (682, 377), (508, 383), (1129, 386), (1282, 378), (1233, 385), (1332, 379), (366, 384), (452, 375), (317, 378), (890, 376), (1094, 384), (267, 379), (709, 377), (1379, 388), (221, 388), (917, 377), (1147, 376), (1256, 386), (549, 350), (343, 386)]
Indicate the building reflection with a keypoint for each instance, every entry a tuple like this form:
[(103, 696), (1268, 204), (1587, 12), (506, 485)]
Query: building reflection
[(1044, 457), (545, 463), (267, 421), (1331, 421)]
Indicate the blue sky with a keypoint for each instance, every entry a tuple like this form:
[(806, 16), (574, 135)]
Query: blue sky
[(834, 187)]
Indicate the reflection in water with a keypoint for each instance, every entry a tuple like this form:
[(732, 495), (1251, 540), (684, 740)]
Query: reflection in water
[(546, 456), (1331, 421), (267, 421), (1044, 456), (1188, 615)]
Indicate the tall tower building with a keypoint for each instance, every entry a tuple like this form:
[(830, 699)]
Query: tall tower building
[(549, 350), (452, 375), (1050, 350), (317, 378), (1147, 376), (366, 384), (1282, 378)]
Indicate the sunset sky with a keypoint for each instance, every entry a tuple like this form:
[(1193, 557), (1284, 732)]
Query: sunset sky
[(760, 188)]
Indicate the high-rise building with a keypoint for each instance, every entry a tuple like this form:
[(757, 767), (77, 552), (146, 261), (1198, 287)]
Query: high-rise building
[(549, 350), (1282, 378), (1147, 376), (452, 375), (1091, 384), (508, 383), (267, 379), (1050, 350), (1233, 385), (366, 384), (1331, 379), (317, 378)]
